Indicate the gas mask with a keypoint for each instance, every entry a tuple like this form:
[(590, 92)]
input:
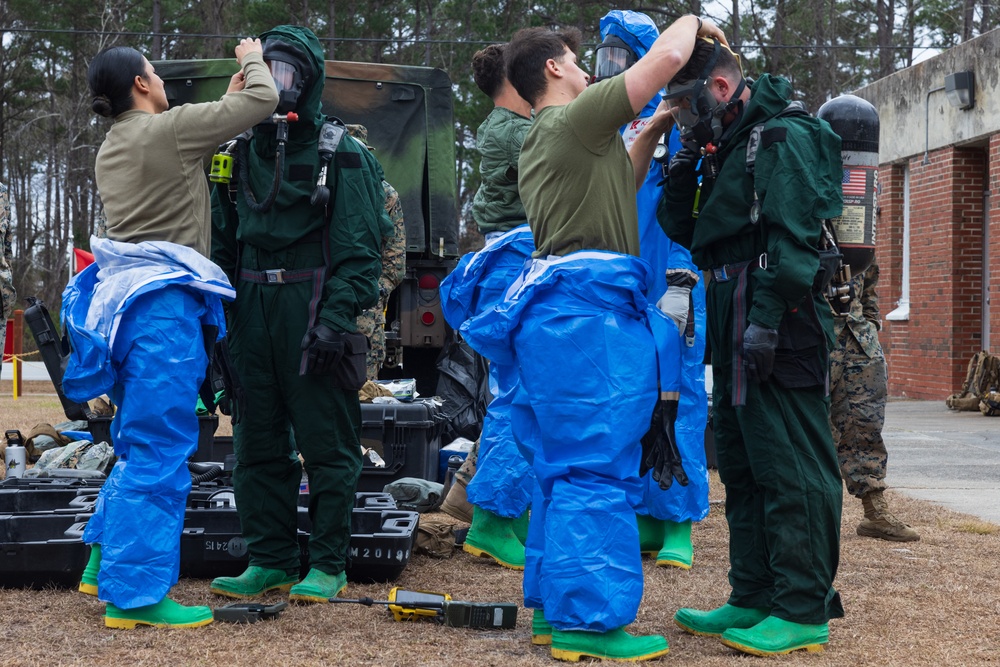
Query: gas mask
[(698, 113), (612, 57), (291, 70)]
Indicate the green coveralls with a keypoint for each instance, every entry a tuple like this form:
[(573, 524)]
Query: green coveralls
[(775, 454), (268, 322)]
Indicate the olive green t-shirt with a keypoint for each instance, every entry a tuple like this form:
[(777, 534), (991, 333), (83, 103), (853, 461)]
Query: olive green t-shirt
[(576, 179)]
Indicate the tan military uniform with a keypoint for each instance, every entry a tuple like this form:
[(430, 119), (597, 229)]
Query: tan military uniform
[(372, 321)]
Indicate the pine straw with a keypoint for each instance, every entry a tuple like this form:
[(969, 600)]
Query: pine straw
[(933, 602)]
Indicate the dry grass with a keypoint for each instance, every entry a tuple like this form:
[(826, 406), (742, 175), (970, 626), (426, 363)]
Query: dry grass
[(933, 602)]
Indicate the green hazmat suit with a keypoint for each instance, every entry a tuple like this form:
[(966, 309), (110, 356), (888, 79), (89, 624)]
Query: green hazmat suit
[(331, 259), (775, 454)]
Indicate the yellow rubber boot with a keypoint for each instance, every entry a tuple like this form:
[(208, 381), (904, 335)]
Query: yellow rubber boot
[(493, 536), (776, 636), (164, 614), (88, 580), (677, 549), (616, 645), (541, 631)]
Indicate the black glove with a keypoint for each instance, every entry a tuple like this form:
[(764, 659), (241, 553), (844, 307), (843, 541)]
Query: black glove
[(323, 348), (681, 171), (758, 351), (659, 448)]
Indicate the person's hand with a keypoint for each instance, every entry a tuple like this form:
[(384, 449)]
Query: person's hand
[(676, 301), (712, 31), (323, 348), (662, 121), (759, 345), (236, 83), (681, 170), (247, 45)]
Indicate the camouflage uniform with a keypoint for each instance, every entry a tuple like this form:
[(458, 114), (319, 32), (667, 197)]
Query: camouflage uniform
[(372, 321), (858, 388), (8, 296)]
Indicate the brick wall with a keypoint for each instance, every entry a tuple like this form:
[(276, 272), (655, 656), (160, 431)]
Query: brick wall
[(928, 354), (993, 161)]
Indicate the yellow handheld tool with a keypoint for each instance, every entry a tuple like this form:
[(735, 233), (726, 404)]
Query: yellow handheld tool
[(407, 605)]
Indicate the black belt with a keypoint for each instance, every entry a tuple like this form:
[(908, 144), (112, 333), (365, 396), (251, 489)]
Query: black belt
[(278, 276), (739, 272), (728, 272)]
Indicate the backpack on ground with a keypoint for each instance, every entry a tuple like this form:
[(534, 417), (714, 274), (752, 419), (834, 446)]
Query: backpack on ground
[(981, 378)]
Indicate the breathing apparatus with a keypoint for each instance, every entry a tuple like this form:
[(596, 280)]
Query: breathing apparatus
[(292, 72), (280, 121), (701, 116), (611, 58)]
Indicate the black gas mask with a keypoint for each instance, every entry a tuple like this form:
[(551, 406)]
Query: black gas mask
[(698, 113), (612, 57), (291, 70)]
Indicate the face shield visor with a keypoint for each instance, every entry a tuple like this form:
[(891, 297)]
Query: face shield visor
[(612, 57), (291, 71)]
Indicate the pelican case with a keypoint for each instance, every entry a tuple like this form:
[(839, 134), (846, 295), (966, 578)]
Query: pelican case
[(408, 438), (40, 550)]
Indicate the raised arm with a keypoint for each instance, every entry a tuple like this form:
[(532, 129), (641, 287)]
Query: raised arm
[(641, 152), (666, 57)]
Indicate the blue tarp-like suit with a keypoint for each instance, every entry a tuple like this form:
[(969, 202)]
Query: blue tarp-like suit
[(679, 503), (503, 483), (135, 319), (579, 419)]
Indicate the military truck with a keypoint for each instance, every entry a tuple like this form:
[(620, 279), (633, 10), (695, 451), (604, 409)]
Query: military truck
[(409, 116)]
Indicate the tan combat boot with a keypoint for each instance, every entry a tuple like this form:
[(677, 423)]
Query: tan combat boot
[(880, 523), (456, 504)]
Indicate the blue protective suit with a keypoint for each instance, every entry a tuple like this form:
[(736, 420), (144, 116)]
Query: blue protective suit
[(679, 503), (578, 420), (503, 482), (135, 319)]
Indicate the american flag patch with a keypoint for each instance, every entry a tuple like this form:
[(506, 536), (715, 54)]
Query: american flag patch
[(855, 181)]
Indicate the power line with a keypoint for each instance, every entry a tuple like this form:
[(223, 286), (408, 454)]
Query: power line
[(422, 41)]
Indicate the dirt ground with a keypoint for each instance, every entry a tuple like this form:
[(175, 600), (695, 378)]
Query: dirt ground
[(933, 602)]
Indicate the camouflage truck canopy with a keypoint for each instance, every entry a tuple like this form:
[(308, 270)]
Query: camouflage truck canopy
[(408, 113)]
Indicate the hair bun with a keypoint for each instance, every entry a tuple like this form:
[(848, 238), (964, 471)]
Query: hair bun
[(102, 105)]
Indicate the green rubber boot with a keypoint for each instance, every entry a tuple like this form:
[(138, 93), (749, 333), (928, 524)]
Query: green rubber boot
[(541, 631), (164, 614), (318, 586), (677, 549), (572, 645), (776, 636), (521, 527), (88, 580), (650, 534), (253, 582), (492, 536), (714, 622)]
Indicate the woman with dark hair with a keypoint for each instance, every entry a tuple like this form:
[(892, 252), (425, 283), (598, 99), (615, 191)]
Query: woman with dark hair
[(142, 316)]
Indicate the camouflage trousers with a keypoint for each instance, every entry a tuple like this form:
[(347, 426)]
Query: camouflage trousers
[(858, 388), (372, 324)]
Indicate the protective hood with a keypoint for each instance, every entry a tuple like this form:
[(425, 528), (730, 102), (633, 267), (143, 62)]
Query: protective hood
[(638, 32), (299, 48)]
